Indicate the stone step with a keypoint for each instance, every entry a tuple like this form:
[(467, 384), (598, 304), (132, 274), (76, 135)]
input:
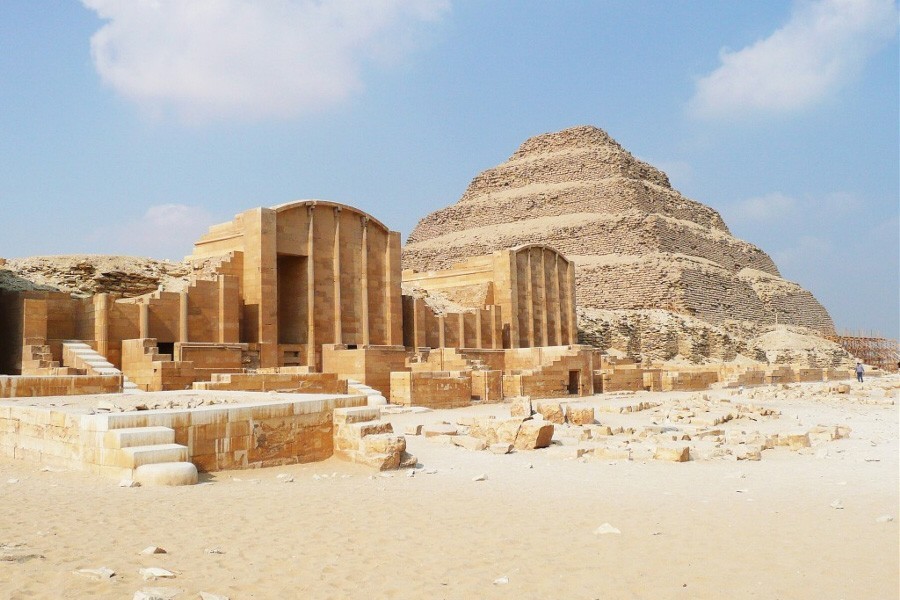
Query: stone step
[(356, 414), (168, 473), (158, 453), (139, 436)]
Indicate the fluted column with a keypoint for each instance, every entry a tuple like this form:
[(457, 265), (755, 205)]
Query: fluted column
[(559, 301), (183, 316), (310, 288), (364, 283), (144, 320), (336, 268), (101, 324)]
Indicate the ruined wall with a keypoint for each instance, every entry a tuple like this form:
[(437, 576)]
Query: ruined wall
[(436, 389)]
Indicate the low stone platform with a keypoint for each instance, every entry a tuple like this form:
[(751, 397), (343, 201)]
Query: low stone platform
[(231, 430)]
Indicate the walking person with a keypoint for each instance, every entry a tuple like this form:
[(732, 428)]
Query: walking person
[(859, 372)]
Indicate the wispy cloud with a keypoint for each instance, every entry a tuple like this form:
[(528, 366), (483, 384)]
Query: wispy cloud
[(822, 47), (163, 231), (764, 208), (213, 59)]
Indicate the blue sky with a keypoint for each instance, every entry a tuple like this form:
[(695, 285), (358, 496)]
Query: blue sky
[(130, 126)]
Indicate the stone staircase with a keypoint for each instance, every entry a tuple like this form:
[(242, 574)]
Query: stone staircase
[(36, 355), (361, 436), (151, 454), (373, 396), (80, 355)]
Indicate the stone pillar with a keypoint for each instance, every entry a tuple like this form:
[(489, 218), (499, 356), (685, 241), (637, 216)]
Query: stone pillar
[(183, 317), (529, 299), (336, 268), (462, 331), (101, 324), (144, 320), (441, 335), (513, 316), (570, 304), (545, 338), (388, 284), (559, 301), (221, 314), (364, 283), (478, 340), (310, 288)]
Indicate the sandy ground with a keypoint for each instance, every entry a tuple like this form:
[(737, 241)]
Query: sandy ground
[(702, 529)]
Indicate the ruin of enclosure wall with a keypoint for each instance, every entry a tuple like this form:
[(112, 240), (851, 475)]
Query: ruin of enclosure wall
[(314, 273), (206, 311), (532, 287)]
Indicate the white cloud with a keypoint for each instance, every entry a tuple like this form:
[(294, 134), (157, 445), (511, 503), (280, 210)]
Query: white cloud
[(213, 59), (164, 231), (824, 45), (764, 208), (807, 250)]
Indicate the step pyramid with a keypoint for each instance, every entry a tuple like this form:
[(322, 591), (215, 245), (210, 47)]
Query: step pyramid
[(638, 244)]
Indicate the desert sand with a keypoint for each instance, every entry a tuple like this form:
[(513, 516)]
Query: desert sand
[(818, 523)]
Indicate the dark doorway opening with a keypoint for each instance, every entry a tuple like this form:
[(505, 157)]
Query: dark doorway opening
[(292, 319), (574, 382), (166, 348)]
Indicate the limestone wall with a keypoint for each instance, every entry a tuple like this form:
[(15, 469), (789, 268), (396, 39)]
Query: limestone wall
[(436, 389), (14, 386)]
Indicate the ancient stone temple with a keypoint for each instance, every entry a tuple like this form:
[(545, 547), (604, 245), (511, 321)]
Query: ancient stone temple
[(310, 273), (636, 242), (517, 298)]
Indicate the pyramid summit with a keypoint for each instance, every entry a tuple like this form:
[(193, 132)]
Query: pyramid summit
[(638, 244)]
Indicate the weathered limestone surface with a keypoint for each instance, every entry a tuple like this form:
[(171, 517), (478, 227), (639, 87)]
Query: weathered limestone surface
[(637, 243)]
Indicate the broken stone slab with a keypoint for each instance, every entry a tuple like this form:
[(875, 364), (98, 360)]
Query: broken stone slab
[(481, 477), (384, 451), (612, 453), (413, 429), (501, 448), (552, 412), (435, 429), (468, 442), (577, 414), (798, 440), (520, 406), (153, 550), (18, 553), (599, 430), (99, 573), (672, 452), (208, 596), (484, 429), (157, 593), (151, 573), (750, 452), (606, 529), (533, 435), (508, 430)]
